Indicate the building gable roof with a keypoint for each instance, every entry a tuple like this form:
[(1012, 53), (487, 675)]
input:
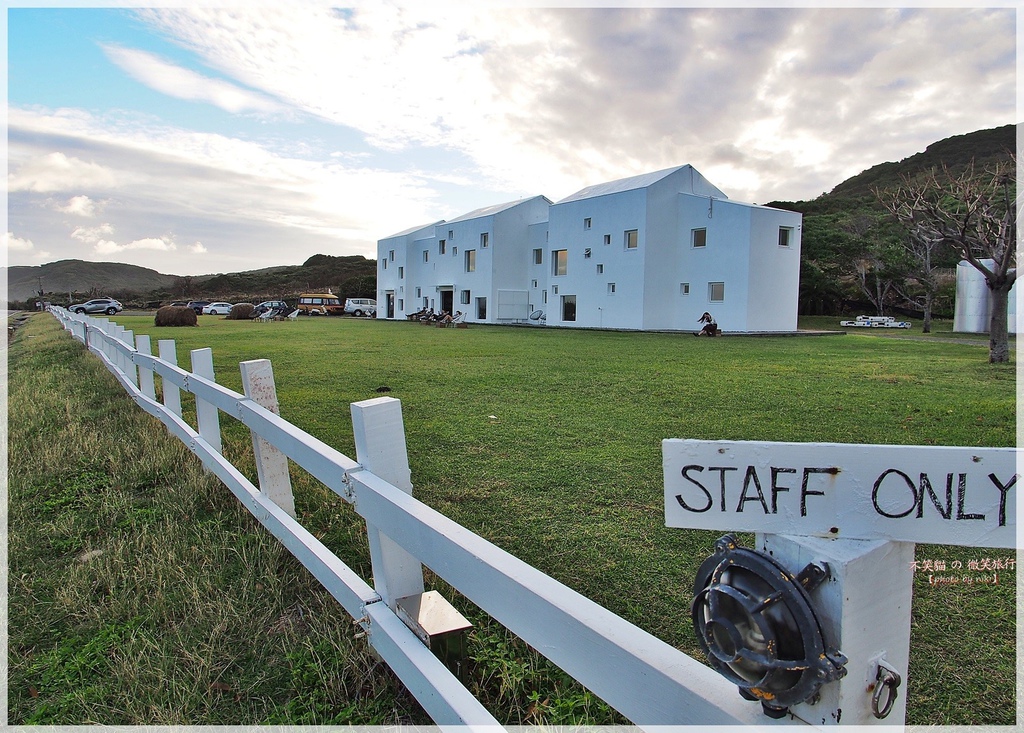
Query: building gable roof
[(696, 184), (493, 209), (412, 230)]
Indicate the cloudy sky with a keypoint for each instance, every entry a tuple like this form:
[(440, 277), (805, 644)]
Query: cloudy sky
[(205, 140)]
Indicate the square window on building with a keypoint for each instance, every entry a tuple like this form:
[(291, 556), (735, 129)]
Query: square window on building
[(464, 297), (716, 292), (611, 288), (568, 307), (533, 283), (785, 236), (699, 237), (684, 288), (587, 223), (470, 260), (559, 261), (538, 256), (554, 290), (586, 253), (631, 238), (451, 234), (484, 238), (600, 269)]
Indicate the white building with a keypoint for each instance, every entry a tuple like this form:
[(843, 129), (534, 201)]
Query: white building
[(973, 309), (651, 252)]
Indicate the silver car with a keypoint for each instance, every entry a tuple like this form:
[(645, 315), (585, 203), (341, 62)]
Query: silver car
[(97, 305)]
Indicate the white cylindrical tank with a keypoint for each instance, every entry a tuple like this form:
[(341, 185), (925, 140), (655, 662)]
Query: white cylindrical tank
[(973, 309)]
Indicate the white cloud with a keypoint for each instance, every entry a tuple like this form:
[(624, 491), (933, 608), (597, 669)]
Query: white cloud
[(56, 171), (92, 234), (106, 247), (182, 83), (13, 243), (196, 248), (80, 206)]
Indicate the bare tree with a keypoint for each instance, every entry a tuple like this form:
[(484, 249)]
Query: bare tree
[(976, 214)]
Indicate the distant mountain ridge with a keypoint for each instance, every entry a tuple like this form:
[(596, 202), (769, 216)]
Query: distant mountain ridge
[(348, 276)]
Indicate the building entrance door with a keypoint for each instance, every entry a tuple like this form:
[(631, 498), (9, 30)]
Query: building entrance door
[(447, 300)]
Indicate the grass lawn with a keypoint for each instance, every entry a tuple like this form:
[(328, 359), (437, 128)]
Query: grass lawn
[(547, 443)]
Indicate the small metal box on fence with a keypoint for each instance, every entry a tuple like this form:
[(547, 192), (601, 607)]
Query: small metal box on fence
[(835, 529)]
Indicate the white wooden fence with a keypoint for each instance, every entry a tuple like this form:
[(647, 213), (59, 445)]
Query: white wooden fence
[(645, 679)]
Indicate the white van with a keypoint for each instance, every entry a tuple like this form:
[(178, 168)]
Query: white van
[(361, 306)]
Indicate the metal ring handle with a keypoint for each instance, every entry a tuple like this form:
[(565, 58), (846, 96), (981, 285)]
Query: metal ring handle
[(886, 679)]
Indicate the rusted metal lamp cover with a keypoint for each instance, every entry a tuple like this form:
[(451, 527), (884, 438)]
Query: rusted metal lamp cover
[(755, 622)]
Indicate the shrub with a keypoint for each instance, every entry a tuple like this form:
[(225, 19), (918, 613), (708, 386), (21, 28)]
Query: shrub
[(240, 312), (171, 315)]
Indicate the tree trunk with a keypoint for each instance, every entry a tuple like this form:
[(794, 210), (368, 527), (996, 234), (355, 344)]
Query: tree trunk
[(998, 331), (927, 327)]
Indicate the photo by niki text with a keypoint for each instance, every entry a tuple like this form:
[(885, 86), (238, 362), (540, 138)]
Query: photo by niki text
[(983, 571)]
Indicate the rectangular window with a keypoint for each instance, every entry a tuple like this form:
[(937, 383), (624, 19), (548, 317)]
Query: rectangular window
[(470, 260), (419, 292), (716, 292), (684, 288), (586, 253), (559, 261), (607, 238), (441, 246), (401, 273), (483, 240), (533, 283), (401, 304), (568, 307), (481, 308), (785, 236), (464, 297), (554, 290), (699, 237), (538, 256), (586, 223), (383, 264), (426, 255), (391, 255), (455, 251), (600, 269), (611, 288), (631, 239)]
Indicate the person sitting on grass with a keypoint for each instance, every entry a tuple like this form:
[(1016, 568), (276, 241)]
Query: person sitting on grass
[(710, 327)]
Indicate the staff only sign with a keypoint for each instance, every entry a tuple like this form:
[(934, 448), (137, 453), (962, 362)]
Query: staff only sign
[(928, 494)]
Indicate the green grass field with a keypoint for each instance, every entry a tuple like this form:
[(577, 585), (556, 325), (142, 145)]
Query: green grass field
[(544, 441)]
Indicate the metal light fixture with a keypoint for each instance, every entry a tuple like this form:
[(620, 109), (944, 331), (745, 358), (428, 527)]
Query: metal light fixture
[(755, 621)]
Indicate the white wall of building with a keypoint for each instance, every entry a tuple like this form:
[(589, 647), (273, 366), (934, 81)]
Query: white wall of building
[(973, 309), (629, 256)]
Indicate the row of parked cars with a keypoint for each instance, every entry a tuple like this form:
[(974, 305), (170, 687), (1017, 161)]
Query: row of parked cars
[(312, 304)]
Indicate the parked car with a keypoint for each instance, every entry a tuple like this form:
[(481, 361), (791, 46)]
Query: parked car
[(320, 304), (217, 309), (198, 305), (361, 307), (179, 304), (97, 305), (267, 305)]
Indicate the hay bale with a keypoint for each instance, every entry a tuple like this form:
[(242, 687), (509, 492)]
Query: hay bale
[(241, 312), (171, 315)]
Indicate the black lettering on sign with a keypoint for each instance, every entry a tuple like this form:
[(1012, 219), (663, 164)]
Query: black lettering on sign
[(878, 485), (1002, 495), (961, 495), (805, 492), (926, 486), (776, 488), (751, 474), (699, 485), (721, 470)]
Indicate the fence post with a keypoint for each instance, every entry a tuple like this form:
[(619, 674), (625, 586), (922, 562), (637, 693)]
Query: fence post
[(271, 464), (864, 608), (207, 415), (127, 363), (172, 395), (380, 449), (146, 384)]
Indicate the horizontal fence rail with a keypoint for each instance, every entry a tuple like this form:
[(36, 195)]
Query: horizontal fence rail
[(648, 681)]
